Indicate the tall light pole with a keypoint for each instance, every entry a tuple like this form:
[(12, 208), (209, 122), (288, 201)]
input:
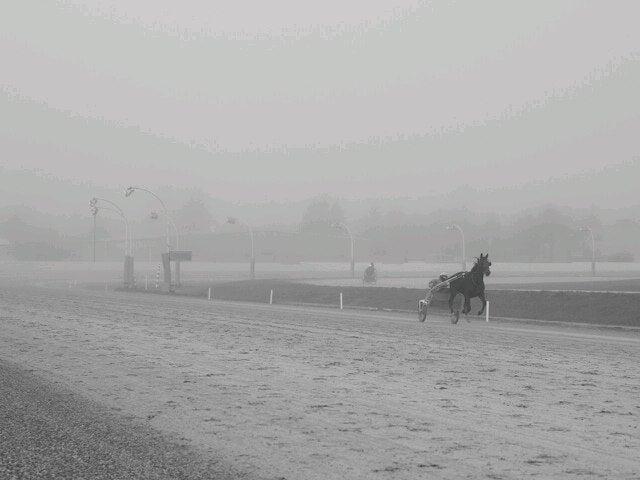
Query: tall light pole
[(127, 231), (593, 249), (129, 277), (94, 212), (464, 253), (352, 242), (129, 191), (252, 265)]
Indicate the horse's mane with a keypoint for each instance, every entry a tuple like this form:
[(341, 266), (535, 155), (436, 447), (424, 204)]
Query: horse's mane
[(476, 265)]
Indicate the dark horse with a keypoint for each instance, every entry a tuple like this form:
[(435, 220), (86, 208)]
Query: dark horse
[(471, 285)]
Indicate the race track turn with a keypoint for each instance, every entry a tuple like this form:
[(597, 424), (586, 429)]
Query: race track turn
[(289, 392)]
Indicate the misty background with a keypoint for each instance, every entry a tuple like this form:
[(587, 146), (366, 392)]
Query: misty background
[(517, 120)]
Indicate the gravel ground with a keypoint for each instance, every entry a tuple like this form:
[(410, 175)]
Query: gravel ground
[(49, 432), (289, 392)]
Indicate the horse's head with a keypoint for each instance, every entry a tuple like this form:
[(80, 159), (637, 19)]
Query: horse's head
[(483, 264)]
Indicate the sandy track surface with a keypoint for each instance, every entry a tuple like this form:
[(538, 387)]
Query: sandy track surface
[(287, 392), (48, 432)]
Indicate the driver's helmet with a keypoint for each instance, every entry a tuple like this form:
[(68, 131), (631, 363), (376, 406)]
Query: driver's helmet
[(442, 276)]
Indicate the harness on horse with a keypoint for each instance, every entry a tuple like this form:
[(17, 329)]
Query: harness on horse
[(469, 274), (472, 277), (435, 286), (445, 283)]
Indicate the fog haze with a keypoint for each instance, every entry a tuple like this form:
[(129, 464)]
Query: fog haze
[(250, 103), (319, 239)]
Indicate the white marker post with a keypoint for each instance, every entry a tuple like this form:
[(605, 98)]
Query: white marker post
[(487, 312), (209, 294), (340, 300), (271, 297)]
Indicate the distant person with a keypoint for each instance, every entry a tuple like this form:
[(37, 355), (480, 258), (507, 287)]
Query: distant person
[(370, 273)]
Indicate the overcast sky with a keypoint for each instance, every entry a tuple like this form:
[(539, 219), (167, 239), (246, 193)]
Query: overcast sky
[(290, 98)]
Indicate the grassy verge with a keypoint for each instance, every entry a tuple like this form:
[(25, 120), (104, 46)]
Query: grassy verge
[(591, 307), (626, 285)]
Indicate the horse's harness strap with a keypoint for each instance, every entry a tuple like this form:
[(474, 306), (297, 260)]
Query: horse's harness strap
[(471, 275)]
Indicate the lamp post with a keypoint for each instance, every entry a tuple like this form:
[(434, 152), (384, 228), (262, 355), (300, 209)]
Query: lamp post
[(94, 213), (352, 244), (128, 248), (129, 277), (167, 266), (252, 265), (593, 249), (464, 253), (129, 191)]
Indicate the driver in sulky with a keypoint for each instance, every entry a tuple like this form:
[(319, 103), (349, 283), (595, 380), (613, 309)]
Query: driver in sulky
[(370, 271), (441, 278)]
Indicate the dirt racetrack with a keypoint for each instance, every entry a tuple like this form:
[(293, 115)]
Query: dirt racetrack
[(298, 393)]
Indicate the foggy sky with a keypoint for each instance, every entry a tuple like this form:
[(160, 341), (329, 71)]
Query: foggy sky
[(254, 100)]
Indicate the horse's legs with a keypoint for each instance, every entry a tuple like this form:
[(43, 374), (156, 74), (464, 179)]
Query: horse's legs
[(452, 295), (467, 305), (484, 303)]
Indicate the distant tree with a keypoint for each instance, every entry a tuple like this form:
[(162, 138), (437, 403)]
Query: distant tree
[(321, 215), (17, 230), (194, 216)]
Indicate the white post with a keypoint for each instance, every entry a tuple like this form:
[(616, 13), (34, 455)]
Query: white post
[(271, 297), (252, 266), (209, 294), (593, 254), (487, 311), (340, 300)]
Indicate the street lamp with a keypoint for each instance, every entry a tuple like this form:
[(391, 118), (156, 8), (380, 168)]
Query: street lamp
[(593, 249), (252, 266), (128, 249), (464, 253), (94, 212), (129, 191), (129, 278), (352, 241)]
